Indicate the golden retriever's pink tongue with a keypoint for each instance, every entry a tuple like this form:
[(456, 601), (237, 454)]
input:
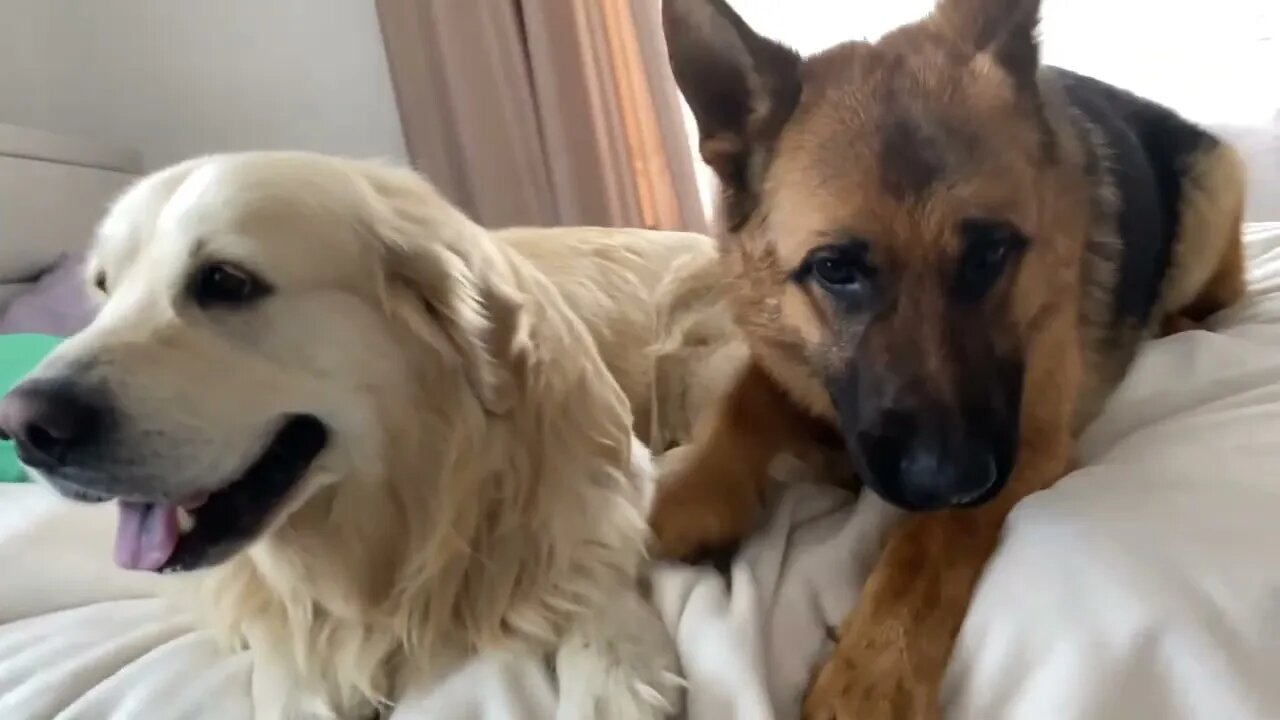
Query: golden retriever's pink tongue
[(146, 535)]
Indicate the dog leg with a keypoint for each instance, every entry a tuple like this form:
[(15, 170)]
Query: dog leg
[(713, 498), (1207, 273), (1224, 288), (619, 663), (894, 647)]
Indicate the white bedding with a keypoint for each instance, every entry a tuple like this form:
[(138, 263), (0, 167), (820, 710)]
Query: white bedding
[(1144, 585)]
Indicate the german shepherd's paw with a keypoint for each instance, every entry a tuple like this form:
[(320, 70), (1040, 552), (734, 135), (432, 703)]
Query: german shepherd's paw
[(703, 513), (841, 691)]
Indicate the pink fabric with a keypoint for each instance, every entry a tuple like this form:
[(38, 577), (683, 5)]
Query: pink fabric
[(57, 304)]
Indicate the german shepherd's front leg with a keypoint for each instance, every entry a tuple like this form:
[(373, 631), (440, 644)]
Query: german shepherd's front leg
[(713, 498), (894, 647)]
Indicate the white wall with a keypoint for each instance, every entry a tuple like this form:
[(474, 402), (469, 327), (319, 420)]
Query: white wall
[(176, 78), (1216, 62)]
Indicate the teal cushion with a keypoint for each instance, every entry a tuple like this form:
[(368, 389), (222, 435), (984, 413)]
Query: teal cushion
[(19, 355)]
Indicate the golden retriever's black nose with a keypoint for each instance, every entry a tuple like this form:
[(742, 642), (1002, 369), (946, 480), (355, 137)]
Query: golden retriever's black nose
[(49, 421)]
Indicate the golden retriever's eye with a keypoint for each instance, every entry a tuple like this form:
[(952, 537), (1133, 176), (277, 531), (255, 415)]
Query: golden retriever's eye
[(221, 283)]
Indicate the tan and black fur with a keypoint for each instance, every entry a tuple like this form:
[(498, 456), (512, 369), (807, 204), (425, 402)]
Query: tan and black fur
[(949, 253)]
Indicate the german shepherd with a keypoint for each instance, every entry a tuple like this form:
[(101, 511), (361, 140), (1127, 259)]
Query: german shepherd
[(946, 253)]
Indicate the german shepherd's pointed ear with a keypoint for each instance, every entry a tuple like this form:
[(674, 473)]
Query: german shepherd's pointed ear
[(445, 286), (1005, 30), (741, 87)]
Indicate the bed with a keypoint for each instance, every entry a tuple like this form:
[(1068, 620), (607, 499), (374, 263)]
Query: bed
[(1142, 586)]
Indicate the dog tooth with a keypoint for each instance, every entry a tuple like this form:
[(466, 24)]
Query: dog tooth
[(186, 521)]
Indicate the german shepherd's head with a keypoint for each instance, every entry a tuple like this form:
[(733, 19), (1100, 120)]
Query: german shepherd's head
[(897, 217)]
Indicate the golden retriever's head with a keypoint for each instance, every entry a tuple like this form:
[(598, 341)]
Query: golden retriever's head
[(272, 323)]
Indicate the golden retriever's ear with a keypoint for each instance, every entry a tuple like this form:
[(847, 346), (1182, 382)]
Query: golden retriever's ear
[(444, 275)]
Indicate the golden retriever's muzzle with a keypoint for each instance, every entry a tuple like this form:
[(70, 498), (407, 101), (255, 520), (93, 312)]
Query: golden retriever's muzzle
[(923, 452), (66, 432), (55, 424)]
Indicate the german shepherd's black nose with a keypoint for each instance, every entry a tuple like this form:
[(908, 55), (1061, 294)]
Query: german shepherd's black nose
[(50, 421), (920, 466)]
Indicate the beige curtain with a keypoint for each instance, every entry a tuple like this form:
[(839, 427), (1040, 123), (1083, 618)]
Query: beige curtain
[(543, 112)]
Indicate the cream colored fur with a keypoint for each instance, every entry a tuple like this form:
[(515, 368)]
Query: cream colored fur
[(483, 487)]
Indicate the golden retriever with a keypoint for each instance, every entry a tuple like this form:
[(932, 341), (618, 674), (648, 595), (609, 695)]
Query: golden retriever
[(387, 438)]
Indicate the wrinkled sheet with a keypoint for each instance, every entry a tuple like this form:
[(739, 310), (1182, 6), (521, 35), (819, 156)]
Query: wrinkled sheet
[(1143, 585)]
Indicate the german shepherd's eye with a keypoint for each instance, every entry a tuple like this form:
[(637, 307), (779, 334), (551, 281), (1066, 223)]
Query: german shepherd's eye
[(837, 271), (840, 269), (988, 246), (220, 283), (843, 271)]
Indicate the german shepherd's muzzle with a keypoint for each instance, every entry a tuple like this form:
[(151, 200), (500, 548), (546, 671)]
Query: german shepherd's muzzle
[(923, 446), (928, 399)]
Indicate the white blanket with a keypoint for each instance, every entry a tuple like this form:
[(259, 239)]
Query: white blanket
[(1142, 586)]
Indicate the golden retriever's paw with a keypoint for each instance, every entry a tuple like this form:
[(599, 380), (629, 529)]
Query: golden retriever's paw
[(618, 662), (619, 704), (697, 520), (642, 701)]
